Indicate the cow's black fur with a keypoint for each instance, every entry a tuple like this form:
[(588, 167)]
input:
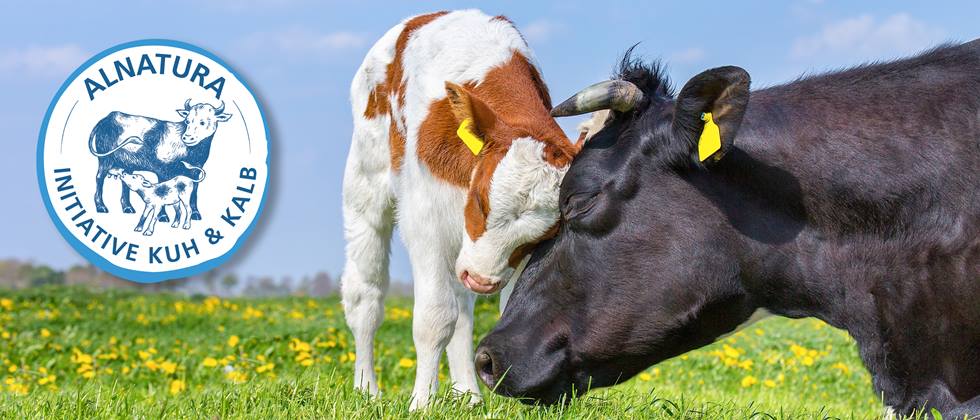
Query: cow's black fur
[(850, 196)]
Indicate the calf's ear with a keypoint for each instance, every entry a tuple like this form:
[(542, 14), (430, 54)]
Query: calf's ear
[(474, 117), (223, 117), (709, 110), (182, 113)]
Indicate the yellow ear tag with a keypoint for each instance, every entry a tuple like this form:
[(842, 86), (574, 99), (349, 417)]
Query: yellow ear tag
[(710, 141), (471, 140)]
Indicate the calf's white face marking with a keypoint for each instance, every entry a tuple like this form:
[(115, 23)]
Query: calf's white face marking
[(523, 203)]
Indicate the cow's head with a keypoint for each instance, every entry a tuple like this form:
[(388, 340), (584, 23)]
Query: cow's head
[(512, 200), (643, 267), (200, 121)]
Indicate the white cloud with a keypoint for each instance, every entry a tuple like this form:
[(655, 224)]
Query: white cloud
[(58, 60), (690, 55), (898, 34), (301, 40), (540, 30)]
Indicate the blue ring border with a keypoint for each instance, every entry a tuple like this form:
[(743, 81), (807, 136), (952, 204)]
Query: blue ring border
[(98, 260)]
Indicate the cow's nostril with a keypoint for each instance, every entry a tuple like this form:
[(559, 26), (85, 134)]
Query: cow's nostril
[(484, 368)]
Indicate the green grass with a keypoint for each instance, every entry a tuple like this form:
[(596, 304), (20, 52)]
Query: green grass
[(123, 354)]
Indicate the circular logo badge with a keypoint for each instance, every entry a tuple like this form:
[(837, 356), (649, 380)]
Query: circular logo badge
[(153, 160)]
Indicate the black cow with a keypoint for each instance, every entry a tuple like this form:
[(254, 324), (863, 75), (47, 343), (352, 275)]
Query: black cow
[(851, 197), (168, 149)]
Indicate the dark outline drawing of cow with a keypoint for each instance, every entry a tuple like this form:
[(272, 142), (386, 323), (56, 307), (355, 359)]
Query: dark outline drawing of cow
[(156, 196), (168, 149)]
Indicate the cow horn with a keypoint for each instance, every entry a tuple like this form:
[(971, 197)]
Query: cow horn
[(618, 95), (220, 108), (187, 105)]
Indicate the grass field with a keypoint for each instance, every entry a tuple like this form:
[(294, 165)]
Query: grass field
[(74, 353)]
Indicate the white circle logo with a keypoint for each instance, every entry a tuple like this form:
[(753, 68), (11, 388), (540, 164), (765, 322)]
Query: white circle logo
[(153, 160)]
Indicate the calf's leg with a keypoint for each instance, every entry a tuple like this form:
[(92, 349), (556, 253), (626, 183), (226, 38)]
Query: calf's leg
[(152, 220), (184, 211), (146, 213), (460, 349), (434, 319), (368, 223)]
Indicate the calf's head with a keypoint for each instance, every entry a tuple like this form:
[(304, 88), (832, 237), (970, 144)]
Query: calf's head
[(641, 270), (512, 199), (133, 181), (201, 121)]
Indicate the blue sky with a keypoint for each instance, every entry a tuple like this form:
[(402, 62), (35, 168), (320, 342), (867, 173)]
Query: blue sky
[(299, 56)]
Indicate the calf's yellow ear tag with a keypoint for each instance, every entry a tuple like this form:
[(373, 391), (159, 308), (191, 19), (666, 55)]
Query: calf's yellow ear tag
[(710, 141), (470, 139)]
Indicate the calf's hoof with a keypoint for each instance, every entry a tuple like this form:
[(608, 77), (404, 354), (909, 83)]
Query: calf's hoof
[(128, 209), (187, 226), (195, 215), (101, 208), (163, 218), (147, 232), (175, 224), (138, 229)]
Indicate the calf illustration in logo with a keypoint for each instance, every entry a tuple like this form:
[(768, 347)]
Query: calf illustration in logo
[(166, 148), (175, 192)]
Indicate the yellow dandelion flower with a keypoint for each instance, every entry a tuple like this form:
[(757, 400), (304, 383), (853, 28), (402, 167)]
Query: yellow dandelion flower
[(177, 386), (12, 368), (406, 363), (749, 381), (209, 362), (265, 368), (80, 358), (745, 364), (807, 361), (236, 376), (233, 341), (769, 383), (45, 333), (730, 351), (7, 304), (143, 355), (645, 377), (168, 367), (842, 368)]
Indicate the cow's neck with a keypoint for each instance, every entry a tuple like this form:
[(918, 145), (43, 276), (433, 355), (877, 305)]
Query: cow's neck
[(793, 267)]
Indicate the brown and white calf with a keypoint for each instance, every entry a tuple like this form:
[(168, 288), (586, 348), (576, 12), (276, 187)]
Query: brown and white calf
[(452, 141)]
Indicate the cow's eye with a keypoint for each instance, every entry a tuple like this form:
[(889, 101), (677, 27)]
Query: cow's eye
[(202, 122), (578, 204)]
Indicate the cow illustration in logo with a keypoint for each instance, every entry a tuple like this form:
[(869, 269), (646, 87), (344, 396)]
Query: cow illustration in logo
[(168, 149), (175, 192)]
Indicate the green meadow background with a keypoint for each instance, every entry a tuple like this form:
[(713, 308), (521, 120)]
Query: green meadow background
[(136, 353)]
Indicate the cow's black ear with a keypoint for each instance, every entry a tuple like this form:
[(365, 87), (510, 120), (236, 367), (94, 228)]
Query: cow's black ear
[(714, 97)]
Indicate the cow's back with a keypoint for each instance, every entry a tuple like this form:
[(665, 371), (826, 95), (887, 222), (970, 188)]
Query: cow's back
[(882, 148)]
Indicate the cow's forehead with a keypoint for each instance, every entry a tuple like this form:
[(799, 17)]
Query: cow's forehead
[(202, 107)]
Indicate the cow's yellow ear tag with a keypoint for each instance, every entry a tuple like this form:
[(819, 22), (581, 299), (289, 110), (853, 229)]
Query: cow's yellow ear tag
[(470, 139), (710, 141)]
